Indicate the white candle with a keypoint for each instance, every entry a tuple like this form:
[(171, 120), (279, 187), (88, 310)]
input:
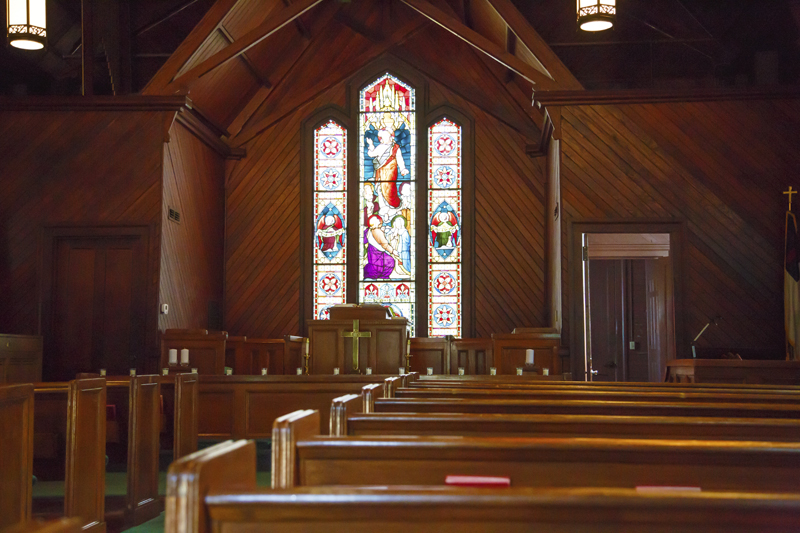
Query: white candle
[(492, 371), (408, 347), (528, 357), (228, 371), (461, 371), (299, 371), (545, 371), (102, 372), (263, 371), (133, 372), (185, 356), (336, 371), (519, 370), (194, 371), (173, 356), (430, 370), (369, 371), (402, 370), (165, 371)]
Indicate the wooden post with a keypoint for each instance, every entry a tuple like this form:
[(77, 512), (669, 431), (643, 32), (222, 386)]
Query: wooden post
[(87, 48)]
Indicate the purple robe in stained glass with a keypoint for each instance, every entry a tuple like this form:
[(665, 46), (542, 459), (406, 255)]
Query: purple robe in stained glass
[(379, 263)]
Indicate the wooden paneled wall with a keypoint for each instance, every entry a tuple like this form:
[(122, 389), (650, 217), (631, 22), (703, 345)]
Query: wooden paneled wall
[(719, 167), (62, 168), (191, 250), (262, 270)]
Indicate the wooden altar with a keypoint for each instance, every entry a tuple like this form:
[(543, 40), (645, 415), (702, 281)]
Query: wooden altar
[(382, 341)]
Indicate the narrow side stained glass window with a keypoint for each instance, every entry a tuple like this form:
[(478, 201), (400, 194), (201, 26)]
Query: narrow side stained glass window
[(330, 217), (387, 150), (444, 229)]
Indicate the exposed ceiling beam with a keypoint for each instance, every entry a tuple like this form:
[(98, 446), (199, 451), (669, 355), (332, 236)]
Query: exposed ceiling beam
[(163, 19), (188, 48), (244, 43), (245, 59), (533, 41), (480, 42)]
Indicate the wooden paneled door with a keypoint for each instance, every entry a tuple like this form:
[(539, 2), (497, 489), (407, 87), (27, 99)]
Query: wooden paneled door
[(94, 301)]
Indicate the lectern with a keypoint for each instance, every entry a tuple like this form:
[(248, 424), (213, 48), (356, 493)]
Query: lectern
[(358, 337)]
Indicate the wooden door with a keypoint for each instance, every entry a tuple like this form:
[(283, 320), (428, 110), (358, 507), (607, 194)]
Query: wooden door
[(660, 317), (97, 305), (607, 318)]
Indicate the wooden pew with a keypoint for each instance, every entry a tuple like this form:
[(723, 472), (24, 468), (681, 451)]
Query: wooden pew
[(143, 502), (557, 395), (206, 349), (16, 453), (246, 406), (475, 356), (249, 356), (584, 407), (79, 408), (430, 352), (302, 458), (61, 525), (214, 490)]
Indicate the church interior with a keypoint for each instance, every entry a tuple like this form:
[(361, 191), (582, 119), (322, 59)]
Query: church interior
[(438, 265)]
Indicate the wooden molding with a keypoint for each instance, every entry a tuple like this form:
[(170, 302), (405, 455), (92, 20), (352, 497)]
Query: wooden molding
[(540, 150), (193, 121), (93, 103), (480, 42), (577, 98)]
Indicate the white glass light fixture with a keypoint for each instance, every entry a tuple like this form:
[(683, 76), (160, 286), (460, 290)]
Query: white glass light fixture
[(596, 15), (26, 24)]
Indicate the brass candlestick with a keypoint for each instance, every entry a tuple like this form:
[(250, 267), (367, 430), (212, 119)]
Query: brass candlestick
[(307, 357)]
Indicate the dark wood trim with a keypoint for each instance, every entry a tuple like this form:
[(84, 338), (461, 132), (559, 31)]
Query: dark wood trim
[(677, 232), (467, 123), (548, 128), (306, 247), (575, 98), (93, 103), (194, 123)]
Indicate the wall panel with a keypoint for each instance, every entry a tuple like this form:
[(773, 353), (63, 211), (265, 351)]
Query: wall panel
[(719, 167)]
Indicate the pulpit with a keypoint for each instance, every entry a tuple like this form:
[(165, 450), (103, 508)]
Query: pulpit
[(356, 338)]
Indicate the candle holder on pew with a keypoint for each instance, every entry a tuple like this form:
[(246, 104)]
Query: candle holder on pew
[(307, 357)]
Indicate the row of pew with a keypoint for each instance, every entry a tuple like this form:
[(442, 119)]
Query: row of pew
[(575, 456)]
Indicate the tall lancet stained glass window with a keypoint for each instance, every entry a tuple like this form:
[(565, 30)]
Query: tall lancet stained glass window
[(387, 149), (444, 228), (330, 217)]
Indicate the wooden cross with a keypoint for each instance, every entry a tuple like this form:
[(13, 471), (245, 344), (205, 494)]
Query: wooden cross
[(356, 335), (790, 192)]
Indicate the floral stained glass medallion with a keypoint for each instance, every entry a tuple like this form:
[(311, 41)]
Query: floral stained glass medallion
[(444, 228), (387, 150), (330, 220)]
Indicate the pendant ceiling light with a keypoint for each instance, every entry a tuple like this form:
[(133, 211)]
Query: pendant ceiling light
[(26, 24), (596, 15)]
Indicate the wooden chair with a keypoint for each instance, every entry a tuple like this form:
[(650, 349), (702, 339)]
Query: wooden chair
[(293, 354), (509, 350), (248, 356), (430, 352), (206, 350)]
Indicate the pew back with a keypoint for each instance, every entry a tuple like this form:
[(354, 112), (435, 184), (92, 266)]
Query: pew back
[(185, 423), (16, 453), (143, 449)]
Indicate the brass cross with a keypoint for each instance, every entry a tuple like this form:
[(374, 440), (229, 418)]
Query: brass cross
[(790, 192), (356, 335)]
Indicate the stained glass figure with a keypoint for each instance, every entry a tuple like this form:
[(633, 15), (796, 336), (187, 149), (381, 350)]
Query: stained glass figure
[(388, 177), (444, 228), (330, 224)]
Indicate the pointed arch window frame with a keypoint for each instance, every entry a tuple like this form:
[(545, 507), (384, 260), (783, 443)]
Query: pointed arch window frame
[(426, 117)]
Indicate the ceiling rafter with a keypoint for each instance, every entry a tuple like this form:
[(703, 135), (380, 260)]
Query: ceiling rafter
[(246, 59), (189, 47), (481, 43), (267, 28), (564, 79), (400, 35)]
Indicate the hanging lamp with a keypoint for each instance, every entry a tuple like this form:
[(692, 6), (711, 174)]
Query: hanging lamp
[(26, 24), (596, 15)]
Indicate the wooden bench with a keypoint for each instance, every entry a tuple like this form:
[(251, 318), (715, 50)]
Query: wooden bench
[(215, 490), (246, 406), (557, 395), (16, 451), (303, 458), (61, 525), (79, 407)]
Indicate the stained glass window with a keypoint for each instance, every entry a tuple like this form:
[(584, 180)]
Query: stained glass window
[(444, 229), (387, 149), (330, 217)]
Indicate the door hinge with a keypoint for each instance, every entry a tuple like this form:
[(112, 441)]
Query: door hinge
[(585, 253)]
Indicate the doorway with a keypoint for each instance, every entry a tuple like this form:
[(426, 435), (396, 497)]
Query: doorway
[(94, 301), (625, 299)]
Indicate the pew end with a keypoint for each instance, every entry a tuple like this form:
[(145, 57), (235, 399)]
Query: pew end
[(368, 395), (16, 450), (341, 408), (229, 465), (286, 431)]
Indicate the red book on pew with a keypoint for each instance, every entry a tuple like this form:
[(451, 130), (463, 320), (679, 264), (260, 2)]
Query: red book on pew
[(478, 481)]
